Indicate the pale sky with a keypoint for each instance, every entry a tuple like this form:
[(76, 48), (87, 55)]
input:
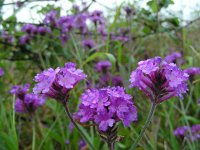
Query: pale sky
[(29, 13)]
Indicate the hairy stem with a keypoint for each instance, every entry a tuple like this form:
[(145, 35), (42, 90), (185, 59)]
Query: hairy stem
[(111, 146), (150, 115), (77, 127)]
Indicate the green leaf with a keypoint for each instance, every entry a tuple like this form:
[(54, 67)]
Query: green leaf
[(174, 21), (153, 5)]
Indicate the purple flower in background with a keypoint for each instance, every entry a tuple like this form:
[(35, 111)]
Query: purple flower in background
[(29, 29), (106, 107), (20, 91), (191, 133), (159, 80), (25, 39), (174, 57), (5, 35), (43, 30), (80, 22), (26, 102), (67, 142), (1, 72), (50, 18), (192, 71), (117, 81), (66, 23), (121, 35), (88, 44), (105, 79), (81, 144), (97, 17), (180, 131), (56, 83), (129, 11), (103, 66)]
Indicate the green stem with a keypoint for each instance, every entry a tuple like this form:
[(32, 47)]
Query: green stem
[(77, 127), (33, 132), (150, 115), (13, 124)]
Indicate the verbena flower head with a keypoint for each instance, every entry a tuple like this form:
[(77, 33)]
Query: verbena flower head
[(30, 29), (50, 18), (1, 72), (66, 23), (129, 11), (103, 66), (80, 22), (56, 83), (88, 44), (159, 80), (43, 30), (25, 39), (26, 102), (192, 71), (175, 57), (5, 35), (184, 132), (20, 91), (97, 17), (106, 107)]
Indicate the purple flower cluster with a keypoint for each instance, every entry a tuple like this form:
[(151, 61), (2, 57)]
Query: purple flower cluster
[(26, 102), (129, 11), (184, 131), (106, 107), (88, 44), (56, 83), (159, 80), (175, 57), (97, 17), (31, 31), (171, 58), (1, 72), (51, 19), (192, 71), (5, 35), (103, 66), (67, 23), (106, 78)]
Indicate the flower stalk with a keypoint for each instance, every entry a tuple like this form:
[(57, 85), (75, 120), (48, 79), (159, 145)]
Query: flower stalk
[(111, 146), (76, 126), (110, 136), (34, 134), (150, 115)]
